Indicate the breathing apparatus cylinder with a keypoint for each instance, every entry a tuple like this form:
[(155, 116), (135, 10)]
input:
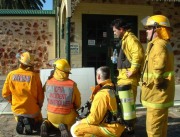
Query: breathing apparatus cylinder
[(126, 96)]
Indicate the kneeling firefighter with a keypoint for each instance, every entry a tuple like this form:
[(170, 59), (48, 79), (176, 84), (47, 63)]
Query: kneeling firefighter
[(23, 89), (101, 120), (63, 98)]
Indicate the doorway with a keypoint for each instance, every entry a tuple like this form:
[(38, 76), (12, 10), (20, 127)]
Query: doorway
[(98, 40)]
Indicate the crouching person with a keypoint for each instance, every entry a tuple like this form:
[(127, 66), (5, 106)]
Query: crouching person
[(103, 102), (23, 89), (63, 99)]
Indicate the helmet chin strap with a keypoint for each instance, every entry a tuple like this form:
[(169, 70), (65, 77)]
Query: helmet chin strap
[(154, 27)]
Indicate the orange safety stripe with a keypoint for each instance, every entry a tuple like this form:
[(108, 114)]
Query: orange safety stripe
[(60, 109)]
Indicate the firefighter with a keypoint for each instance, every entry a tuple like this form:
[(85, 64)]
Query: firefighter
[(131, 55), (130, 58), (158, 84), (103, 101), (23, 89), (63, 98)]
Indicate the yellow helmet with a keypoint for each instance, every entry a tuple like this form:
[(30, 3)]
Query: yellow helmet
[(159, 19), (26, 59), (62, 65)]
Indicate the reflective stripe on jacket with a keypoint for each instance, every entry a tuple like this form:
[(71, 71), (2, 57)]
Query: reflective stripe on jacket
[(59, 96), (159, 70), (134, 52), (25, 89)]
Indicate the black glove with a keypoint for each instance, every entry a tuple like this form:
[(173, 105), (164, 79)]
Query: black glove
[(162, 85)]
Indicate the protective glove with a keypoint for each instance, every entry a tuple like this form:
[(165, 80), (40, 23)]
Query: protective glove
[(162, 85)]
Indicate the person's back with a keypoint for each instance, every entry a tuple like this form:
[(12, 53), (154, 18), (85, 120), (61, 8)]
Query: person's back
[(103, 109), (23, 90), (22, 85), (63, 99)]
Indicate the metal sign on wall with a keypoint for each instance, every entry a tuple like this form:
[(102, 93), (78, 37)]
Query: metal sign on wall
[(74, 48)]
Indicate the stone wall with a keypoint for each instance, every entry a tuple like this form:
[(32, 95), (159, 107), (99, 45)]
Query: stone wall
[(24, 34)]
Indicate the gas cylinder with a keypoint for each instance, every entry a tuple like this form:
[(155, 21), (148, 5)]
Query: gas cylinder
[(126, 96)]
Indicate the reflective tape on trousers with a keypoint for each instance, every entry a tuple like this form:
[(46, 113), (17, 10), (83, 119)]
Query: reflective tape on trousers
[(126, 114), (127, 100)]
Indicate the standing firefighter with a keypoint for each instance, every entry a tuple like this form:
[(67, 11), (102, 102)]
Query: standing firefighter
[(158, 85), (23, 89), (63, 99), (128, 64)]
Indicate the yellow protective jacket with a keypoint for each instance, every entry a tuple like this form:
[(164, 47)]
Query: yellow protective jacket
[(158, 71), (24, 90), (102, 101), (55, 118), (134, 52)]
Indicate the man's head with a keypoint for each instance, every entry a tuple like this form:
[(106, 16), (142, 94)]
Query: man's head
[(157, 25), (26, 59), (120, 27), (102, 74)]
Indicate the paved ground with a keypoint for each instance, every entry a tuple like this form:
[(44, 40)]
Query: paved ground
[(8, 124)]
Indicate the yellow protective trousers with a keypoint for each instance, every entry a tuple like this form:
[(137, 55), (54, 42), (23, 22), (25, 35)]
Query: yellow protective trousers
[(68, 119), (156, 122), (87, 130)]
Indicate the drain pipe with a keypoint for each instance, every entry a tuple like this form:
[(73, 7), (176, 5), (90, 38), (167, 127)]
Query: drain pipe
[(68, 55)]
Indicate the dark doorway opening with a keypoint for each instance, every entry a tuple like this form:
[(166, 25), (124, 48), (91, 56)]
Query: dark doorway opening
[(98, 40)]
